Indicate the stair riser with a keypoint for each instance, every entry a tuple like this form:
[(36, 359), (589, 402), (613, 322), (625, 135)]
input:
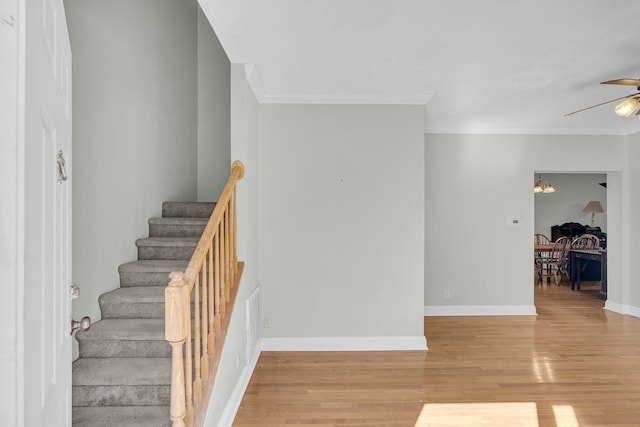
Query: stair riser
[(136, 311), (165, 253), (124, 348), (129, 416), (131, 279), (132, 310), (187, 210), (165, 230), (121, 395)]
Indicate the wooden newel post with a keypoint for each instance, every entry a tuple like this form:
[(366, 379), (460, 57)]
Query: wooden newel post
[(176, 295)]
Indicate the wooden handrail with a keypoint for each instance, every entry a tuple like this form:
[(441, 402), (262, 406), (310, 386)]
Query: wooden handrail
[(210, 281)]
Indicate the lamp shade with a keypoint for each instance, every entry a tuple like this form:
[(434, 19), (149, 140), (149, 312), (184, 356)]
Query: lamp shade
[(593, 206)]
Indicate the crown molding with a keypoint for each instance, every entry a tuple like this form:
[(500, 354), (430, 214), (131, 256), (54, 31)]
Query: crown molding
[(375, 99), (529, 131)]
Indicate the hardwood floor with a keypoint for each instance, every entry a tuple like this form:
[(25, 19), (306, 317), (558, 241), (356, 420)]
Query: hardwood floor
[(575, 364)]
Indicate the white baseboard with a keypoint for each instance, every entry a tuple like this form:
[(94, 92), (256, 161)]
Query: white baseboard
[(344, 344), (622, 309), (479, 310), (235, 399)]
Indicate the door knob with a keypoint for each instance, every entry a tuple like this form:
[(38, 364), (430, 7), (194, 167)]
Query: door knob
[(84, 324)]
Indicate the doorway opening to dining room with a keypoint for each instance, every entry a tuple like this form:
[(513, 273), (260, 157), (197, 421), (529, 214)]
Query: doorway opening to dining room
[(569, 205)]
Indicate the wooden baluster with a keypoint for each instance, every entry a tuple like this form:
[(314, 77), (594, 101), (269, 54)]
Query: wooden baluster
[(197, 383), (204, 360), (218, 293), (225, 223), (230, 243), (234, 218), (176, 294), (188, 369), (223, 289), (212, 297), (232, 237)]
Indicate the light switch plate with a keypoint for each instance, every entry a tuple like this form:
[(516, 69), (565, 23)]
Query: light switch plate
[(513, 221)]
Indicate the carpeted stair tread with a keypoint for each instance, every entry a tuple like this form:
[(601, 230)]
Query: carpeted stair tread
[(188, 209), (129, 416), (154, 266), (118, 381), (177, 227), (149, 272), (150, 248), (124, 338), (145, 302), (122, 371), (124, 329), (178, 221), (167, 241)]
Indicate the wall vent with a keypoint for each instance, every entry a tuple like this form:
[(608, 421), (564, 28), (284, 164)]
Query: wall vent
[(253, 324)]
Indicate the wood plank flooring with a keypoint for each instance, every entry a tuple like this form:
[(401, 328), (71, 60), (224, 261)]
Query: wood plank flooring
[(575, 364)]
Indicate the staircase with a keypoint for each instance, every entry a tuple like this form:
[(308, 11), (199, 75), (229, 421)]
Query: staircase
[(123, 374)]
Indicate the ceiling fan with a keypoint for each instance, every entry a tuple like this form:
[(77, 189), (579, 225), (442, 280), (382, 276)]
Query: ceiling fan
[(626, 107)]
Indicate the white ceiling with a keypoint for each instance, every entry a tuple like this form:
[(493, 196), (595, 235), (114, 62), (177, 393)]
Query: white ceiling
[(483, 66)]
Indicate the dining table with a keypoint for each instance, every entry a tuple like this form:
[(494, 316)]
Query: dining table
[(542, 247), (578, 260)]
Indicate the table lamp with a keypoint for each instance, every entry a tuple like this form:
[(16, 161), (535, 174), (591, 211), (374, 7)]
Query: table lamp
[(593, 207)]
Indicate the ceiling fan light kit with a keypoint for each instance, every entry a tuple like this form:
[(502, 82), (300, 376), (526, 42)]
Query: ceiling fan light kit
[(626, 107)]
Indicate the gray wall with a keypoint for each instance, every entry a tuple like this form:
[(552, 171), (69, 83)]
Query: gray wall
[(342, 220), (474, 183), (573, 192), (330, 225), (630, 295), (214, 157), (134, 129)]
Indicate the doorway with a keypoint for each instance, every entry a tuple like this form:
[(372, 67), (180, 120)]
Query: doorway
[(568, 211)]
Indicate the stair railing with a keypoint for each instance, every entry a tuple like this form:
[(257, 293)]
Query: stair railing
[(198, 305)]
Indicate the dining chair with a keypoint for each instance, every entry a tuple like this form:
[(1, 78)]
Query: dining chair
[(586, 241), (556, 261), (541, 239)]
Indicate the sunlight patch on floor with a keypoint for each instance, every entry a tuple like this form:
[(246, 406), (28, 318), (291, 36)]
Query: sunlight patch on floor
[(565, 416), (507, 414), (543, 369)]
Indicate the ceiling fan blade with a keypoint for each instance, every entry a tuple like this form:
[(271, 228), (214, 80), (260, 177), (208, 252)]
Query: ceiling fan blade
[(628, 82), (602, 103)]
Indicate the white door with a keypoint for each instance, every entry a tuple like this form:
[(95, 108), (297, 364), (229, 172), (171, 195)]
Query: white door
[(47, 198)]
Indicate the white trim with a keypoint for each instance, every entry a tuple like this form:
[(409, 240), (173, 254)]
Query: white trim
[(622, 131), (345, 344), (235, 398), (480, 310), (393, 99), (622, 309), (254, 79)]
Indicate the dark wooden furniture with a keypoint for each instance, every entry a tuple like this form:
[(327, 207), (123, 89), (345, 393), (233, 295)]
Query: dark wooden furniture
[(578, 262), (574, 229)]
